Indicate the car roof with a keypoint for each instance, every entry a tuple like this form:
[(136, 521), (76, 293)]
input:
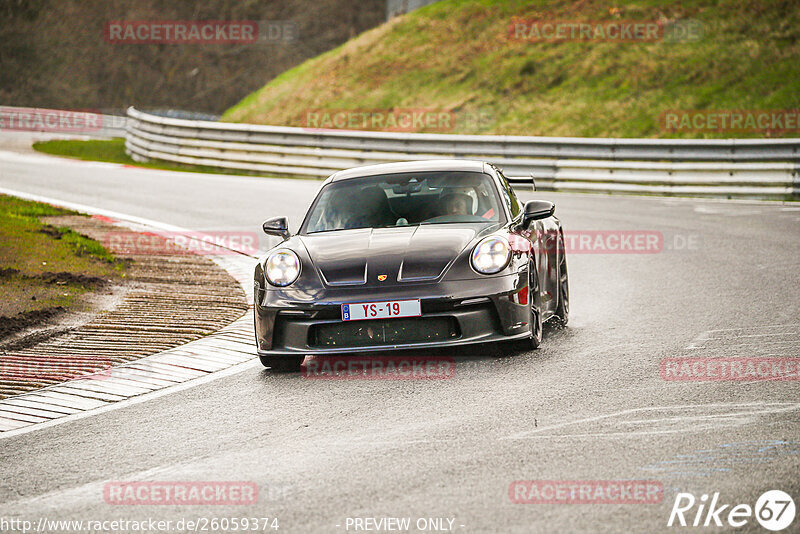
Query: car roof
[(465, 165)]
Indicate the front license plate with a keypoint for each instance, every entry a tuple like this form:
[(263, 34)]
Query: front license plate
[(381, 310)]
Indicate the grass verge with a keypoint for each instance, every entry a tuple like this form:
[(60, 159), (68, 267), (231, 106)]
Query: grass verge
[(44, 268), (113, 151)]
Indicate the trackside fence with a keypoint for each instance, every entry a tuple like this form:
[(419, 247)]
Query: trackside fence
[(732, 168)]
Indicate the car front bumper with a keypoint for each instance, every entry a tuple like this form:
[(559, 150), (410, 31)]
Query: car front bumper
[(294, 322)]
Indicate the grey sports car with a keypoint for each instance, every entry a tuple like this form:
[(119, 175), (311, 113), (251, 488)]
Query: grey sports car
[(406, 256)]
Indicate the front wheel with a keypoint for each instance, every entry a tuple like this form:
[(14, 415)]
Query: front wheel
[(535, 339), (536, 314), (282, 364), (562, 308)]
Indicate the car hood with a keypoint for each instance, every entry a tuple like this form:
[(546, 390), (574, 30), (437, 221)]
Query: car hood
[(401, 254)]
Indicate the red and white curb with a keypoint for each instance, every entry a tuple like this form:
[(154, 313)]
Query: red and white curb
[(225, 352)]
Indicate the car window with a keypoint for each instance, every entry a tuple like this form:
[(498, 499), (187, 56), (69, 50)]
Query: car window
[(405, 199), (509, 196)]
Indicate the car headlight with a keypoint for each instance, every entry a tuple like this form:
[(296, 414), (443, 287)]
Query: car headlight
[(491, 255), (282, 268)]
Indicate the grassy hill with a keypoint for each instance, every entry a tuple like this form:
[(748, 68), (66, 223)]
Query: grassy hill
[(459, 56)]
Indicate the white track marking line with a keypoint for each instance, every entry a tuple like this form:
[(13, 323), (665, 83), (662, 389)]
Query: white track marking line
[(755, 327), (779, 408), (746, 343), (756, 335), (619, 434), (700, 341)]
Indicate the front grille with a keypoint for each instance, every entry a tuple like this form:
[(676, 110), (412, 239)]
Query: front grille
[(383, 332)]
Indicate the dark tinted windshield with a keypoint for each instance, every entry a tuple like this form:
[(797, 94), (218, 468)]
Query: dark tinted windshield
[(405, 199)]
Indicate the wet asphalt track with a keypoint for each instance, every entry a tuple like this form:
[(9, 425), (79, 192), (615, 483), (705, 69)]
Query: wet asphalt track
[(589, 405)]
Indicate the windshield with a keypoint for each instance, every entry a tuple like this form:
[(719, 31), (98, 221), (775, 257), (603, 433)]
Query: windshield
[(405, 199)]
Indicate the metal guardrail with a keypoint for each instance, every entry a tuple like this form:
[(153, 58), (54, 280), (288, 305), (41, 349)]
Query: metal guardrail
[(747, 168)]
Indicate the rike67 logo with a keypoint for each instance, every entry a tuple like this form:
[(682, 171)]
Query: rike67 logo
[(774, 510)]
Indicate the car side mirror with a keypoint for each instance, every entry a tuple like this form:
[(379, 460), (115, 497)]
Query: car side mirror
[(536, 210), (278, 226)]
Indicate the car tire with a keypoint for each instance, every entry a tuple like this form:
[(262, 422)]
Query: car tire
[(561, 316), (282, 364), (535, 339)]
